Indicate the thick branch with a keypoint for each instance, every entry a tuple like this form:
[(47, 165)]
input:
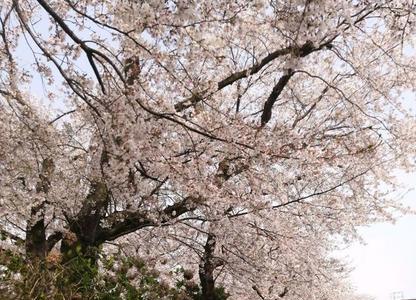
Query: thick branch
[(87, 222), (206, 269), (36, 244), (277, 90), (305, 50), (301, 51), (128, 222)]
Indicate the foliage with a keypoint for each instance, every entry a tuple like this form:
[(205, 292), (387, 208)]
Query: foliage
[(79, 279)]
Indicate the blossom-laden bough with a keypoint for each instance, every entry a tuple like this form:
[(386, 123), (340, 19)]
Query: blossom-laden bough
[(236, 140)]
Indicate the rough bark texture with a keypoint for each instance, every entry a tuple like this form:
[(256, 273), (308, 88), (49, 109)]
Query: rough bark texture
[(36, 246), (206, 270), (86, 225)]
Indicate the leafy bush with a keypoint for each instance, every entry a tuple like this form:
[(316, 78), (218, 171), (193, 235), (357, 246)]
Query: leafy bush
[(110, 278)]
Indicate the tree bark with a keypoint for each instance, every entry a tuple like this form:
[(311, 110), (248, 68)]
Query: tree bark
[(35, 244), (206, 269), (82, 241)]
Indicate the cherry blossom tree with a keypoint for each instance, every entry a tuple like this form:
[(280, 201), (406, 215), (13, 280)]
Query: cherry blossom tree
[(236, 140)]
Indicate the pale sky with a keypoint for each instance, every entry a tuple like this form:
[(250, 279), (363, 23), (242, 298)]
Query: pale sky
[(387, 262)]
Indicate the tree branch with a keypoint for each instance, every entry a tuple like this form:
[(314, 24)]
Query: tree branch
[(70, 81), (90, 52), (207, 267), (62, 115), (277, 90), (284, 292), (300, 51), (127, 222), (256, 289)]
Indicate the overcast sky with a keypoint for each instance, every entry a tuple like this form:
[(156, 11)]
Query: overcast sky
[(387, 263)]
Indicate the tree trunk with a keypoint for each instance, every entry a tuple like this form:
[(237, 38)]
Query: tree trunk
[(206, 270), (35, 245)]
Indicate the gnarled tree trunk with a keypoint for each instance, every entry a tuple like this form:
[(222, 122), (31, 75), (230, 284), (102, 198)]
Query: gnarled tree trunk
[(207, 267)]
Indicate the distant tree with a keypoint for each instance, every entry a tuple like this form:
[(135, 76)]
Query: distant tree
[(237, 140)]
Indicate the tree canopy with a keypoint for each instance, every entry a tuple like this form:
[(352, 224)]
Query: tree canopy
[(237, 141)]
